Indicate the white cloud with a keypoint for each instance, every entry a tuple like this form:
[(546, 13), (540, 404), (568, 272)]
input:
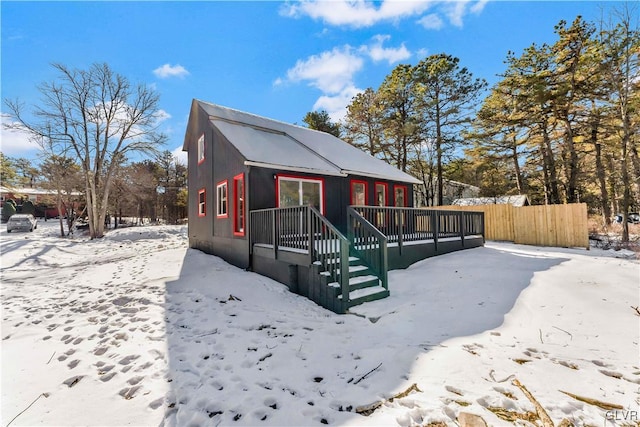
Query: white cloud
[(431, 21), (361, 13), (422, 53), (167, 70), (331, 71), (336, 105), (161, 116), (391, 55), (14, 142), (179, 155), (355, 13), (455, 11), (479, 6)]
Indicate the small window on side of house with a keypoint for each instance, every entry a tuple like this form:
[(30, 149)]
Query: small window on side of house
[(201, 149), (202, 202), (239, 205)]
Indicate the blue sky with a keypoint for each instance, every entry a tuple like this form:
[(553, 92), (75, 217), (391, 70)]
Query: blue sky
[(276, 59)]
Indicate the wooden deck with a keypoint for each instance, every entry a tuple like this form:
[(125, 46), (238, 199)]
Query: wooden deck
[(300, 248)]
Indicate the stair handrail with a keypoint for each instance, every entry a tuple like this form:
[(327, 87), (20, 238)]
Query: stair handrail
[(377, 263), (338, 271)]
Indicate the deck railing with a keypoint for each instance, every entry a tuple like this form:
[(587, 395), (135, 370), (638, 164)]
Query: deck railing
[(368, 244), (304, 229), (401, 225)]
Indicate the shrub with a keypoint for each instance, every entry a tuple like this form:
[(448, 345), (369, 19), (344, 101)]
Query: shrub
[(28, 207), (8, 209)]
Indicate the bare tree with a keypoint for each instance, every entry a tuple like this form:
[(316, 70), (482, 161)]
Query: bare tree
[(63, 176), (101, 118)]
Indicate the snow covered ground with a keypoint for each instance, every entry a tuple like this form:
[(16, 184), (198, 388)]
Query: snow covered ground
[(137, 329)]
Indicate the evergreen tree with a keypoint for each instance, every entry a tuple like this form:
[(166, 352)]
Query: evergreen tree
[(320, 120)]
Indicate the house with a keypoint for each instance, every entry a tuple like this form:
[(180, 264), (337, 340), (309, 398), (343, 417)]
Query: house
[(305, 208), (517, 201), (451, 190), (43, 199)]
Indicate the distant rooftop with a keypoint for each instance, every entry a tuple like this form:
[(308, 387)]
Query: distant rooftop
[(517, 201)]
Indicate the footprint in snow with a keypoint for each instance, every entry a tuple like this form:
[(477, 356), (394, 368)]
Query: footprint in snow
[(129, 392), (128, 359), (156, 403), (613, 374), (70, 382), (271, 403), (135, 380)]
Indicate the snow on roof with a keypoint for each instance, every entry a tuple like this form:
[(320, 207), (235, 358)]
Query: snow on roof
[(517, 201), (271, 143)]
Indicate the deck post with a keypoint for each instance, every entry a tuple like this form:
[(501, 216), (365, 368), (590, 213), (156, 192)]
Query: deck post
[(311, 236), (435, 226), (384, 262), (274, 233), (400, 223), (344, 271), (461, 220)]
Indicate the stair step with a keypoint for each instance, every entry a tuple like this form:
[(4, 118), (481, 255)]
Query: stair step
[(360, 296), (361, 282), (357, 270), (352, 260)]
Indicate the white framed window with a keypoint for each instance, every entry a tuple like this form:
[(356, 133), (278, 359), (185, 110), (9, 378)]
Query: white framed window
[(201, 149), (222, 203), (202, 202), (358, 193), (400, 195), (298, 191)]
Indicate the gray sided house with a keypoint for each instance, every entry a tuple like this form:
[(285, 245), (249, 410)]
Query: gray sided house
[(306, 208)]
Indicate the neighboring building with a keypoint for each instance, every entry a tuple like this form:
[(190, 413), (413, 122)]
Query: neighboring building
[(516, 201), (273, 197), (451, 190), (43, 199)]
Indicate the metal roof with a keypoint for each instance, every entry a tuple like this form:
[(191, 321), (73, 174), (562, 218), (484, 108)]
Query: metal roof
[(278, 145), (517, 201)]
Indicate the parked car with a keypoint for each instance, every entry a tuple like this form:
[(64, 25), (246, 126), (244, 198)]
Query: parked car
[(25, 222), (632, 218)]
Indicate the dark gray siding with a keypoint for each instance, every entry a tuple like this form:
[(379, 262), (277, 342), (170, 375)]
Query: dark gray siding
[(222, 162)]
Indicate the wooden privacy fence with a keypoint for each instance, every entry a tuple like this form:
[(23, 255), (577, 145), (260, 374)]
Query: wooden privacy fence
[(546, 225)]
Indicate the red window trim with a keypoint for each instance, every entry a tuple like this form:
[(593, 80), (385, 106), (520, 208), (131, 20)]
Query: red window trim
[(319, 179), (386, 192), (218, 185), (404, 190), (366, 190), (204, 213), (236, 232), (204, 146)]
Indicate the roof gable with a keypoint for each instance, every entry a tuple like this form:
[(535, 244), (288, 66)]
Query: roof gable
[(270, 143)]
